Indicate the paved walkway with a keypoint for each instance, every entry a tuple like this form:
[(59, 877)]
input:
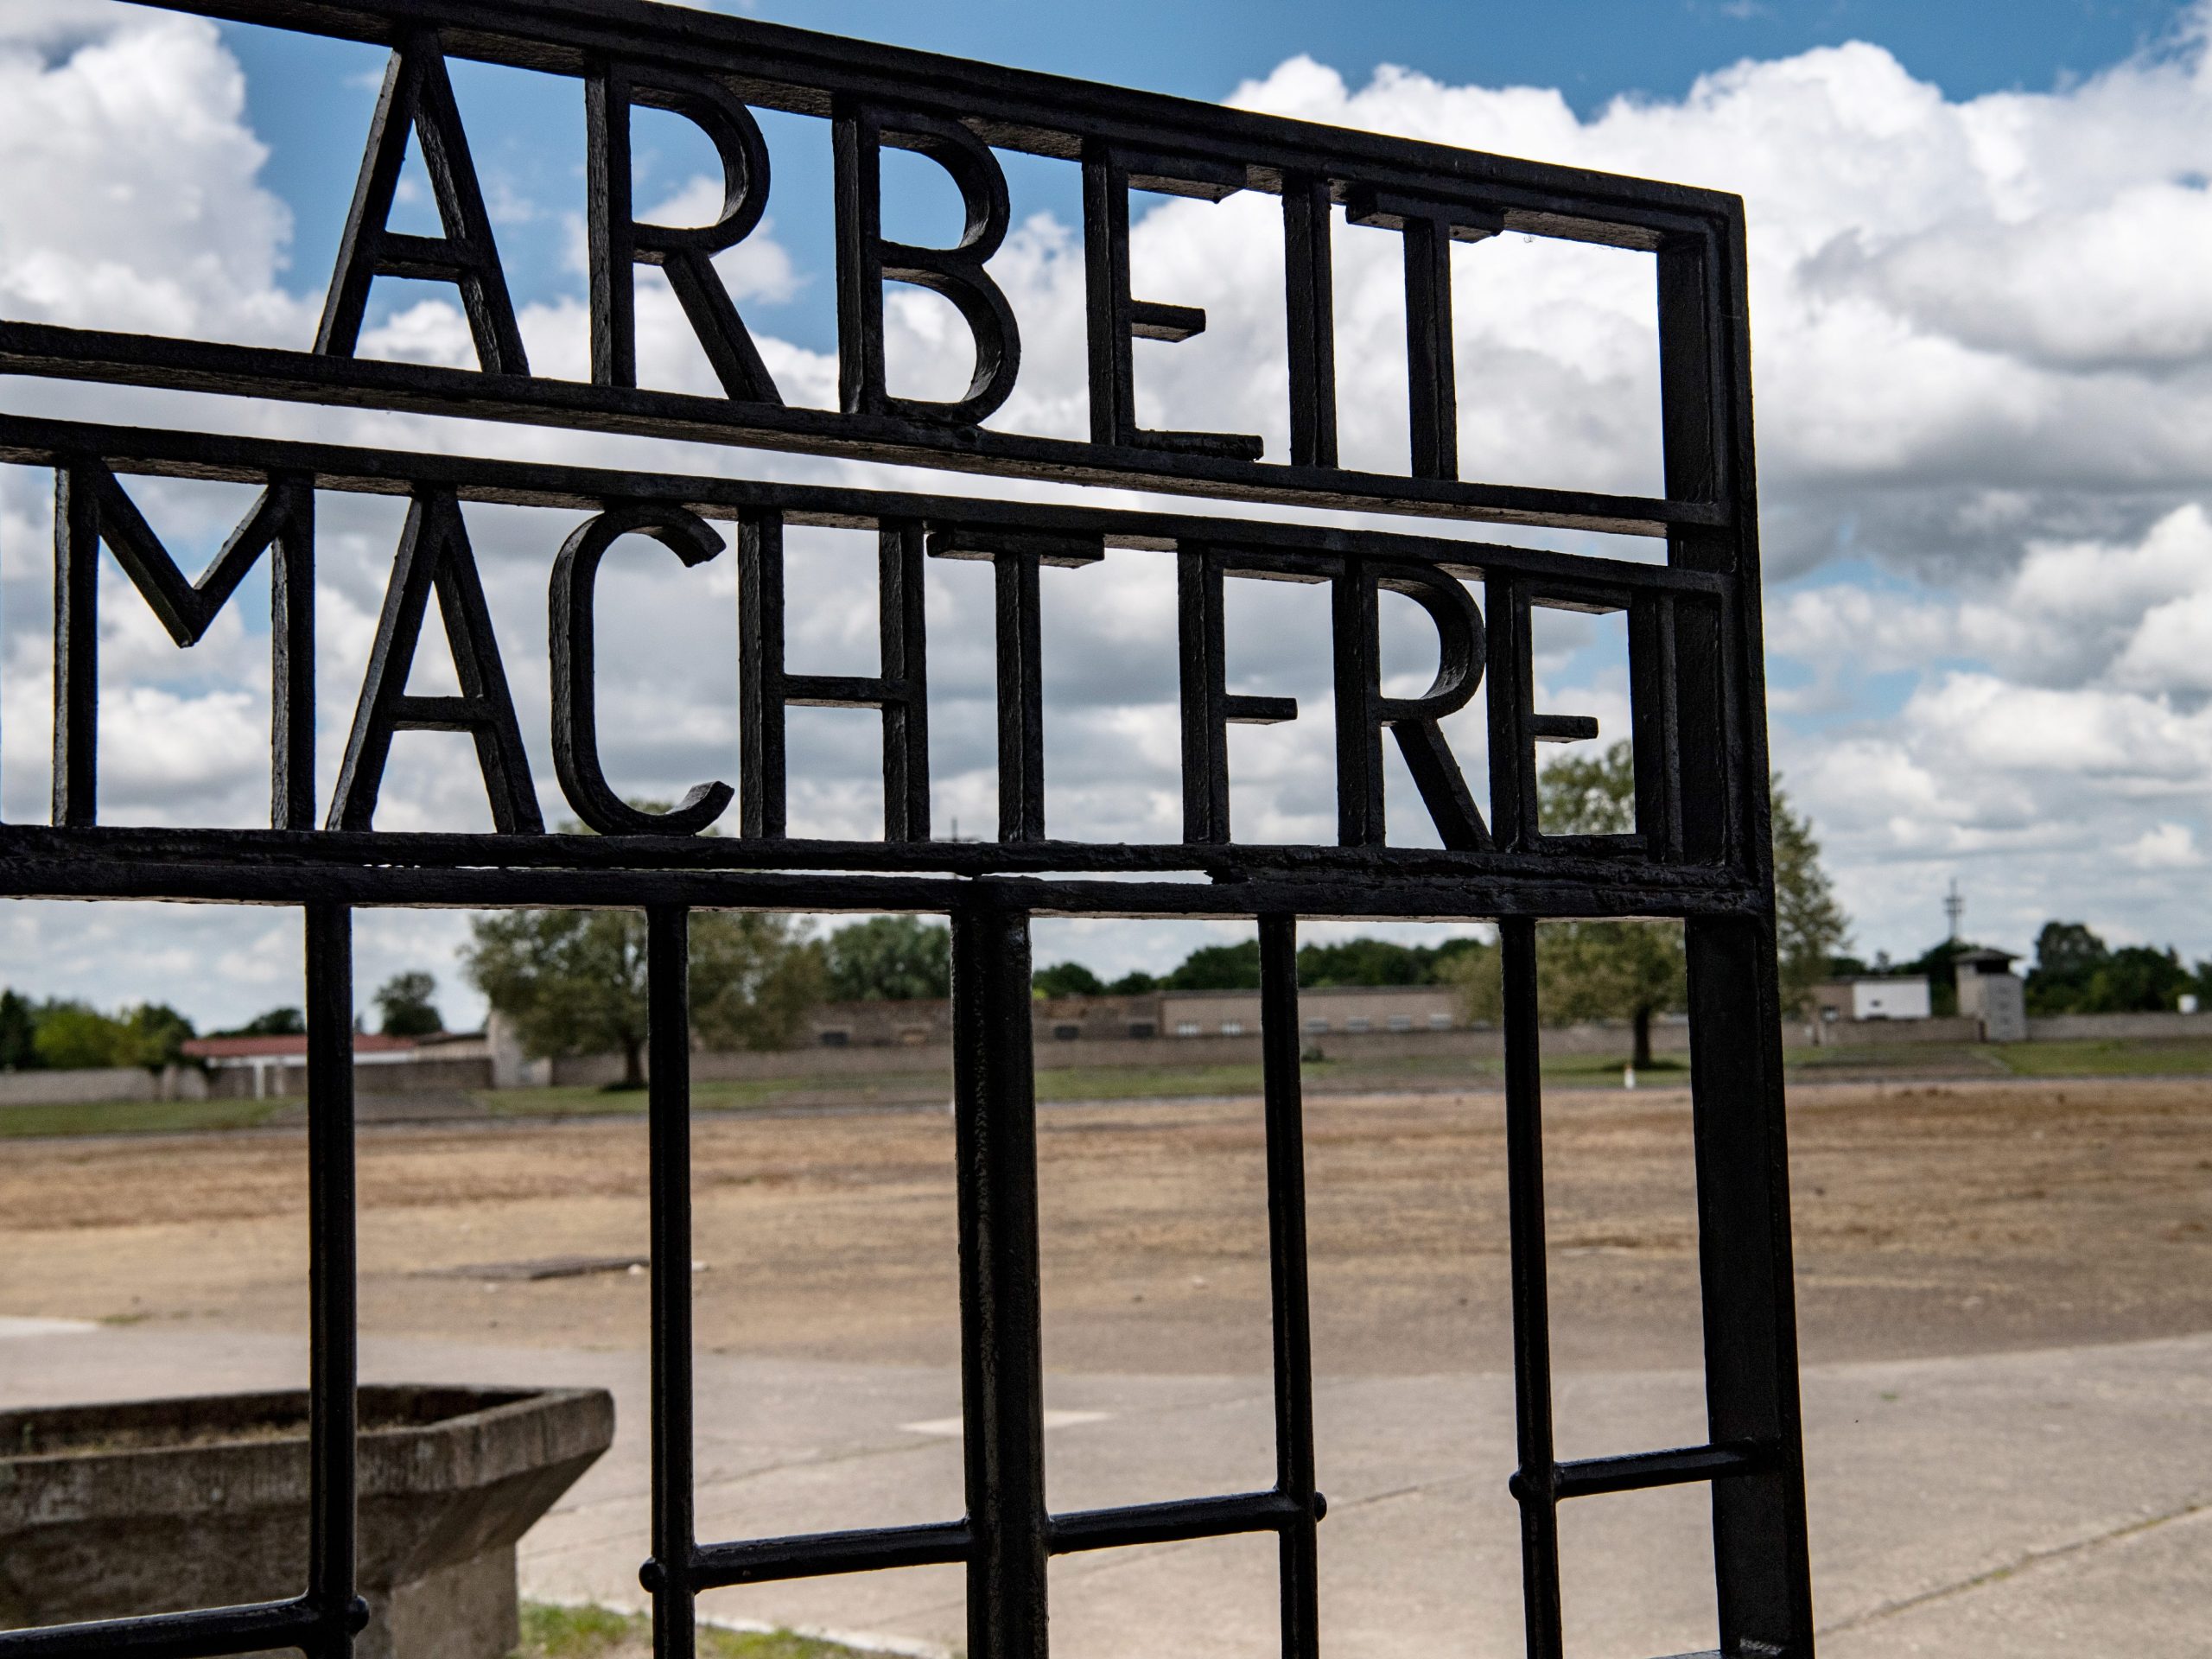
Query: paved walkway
[(2034, 1505)]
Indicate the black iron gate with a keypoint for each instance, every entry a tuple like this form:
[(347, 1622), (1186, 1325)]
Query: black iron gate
[(1698, 851)]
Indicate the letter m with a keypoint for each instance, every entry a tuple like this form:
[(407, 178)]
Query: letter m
[(90, 508)]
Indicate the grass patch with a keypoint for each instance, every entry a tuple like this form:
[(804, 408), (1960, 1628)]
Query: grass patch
[(137, 1116), (2098, 1058), (2078, 1058), (592, 1632)]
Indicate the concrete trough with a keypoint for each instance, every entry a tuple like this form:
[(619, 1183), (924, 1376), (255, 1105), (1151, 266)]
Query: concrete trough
[(151, 1506)]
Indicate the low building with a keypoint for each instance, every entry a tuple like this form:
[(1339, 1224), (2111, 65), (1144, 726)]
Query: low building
[(278, 1065), (909, 1022), (1097, 1018), (1873, 996), (1991, 992)]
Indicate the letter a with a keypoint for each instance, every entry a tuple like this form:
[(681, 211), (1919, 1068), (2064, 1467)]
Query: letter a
[(418, 96), (433, 552)]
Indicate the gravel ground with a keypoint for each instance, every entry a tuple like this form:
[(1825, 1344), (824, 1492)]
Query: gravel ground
[(1932, 1219)]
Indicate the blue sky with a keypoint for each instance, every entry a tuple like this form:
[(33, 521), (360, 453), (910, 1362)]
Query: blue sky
[(1592, 53)]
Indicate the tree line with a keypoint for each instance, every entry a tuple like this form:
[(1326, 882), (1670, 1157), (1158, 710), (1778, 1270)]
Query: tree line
[(68, 1034), (573, 982), (1630, 971)]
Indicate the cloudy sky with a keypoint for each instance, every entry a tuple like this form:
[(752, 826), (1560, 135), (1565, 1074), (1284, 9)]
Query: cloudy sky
[(1982, 322)]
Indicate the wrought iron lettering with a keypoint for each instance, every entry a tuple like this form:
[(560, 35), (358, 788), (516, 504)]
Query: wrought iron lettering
[(418, 96), (435, 556)]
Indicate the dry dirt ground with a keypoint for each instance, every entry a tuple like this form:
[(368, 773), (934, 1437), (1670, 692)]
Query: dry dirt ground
[(1943, 1219)]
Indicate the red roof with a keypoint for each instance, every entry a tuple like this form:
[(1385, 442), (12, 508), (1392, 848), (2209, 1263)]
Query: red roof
[(246, 1048)]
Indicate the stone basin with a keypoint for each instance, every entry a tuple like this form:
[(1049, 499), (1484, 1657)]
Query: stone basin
[(151, 1506)]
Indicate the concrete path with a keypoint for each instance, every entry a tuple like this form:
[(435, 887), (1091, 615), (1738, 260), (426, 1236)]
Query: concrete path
[(2032, 1504)]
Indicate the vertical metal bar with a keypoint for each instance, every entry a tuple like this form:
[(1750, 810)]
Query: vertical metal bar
[(760, 674), (333, 1334), (1655, 717), (1761, 1558), (901, 625), (1534, 1485), (1310, 310), (1429, 368), (1355, 647), (1203, 693), (1107, 304), (76, 646), (1760, 1555), (1298, 1567), (1021, 699), (667, 974), (1509, 691), (1001, 1366), (291, 636)]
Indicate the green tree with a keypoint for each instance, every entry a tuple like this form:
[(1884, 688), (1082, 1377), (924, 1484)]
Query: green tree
[(277, 1022), (753, 977), (72, 1036), (1364, 961), (407, 1005), (2068, 956), (1475, 971), (1603, 970), (1810, 926), (1940, 962), (153, 1036), (18, 1033), (890, 959), (1134, 983), (2138, 980), (1635, 970), (1218, 968), (1589, 795), (1067, 979), (573, 982)]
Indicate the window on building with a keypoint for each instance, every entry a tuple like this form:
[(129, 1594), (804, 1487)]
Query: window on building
[(1439, 1022), (1066, 1033), (1401, 1022), (1143, 1028), (1317, 1025), (1186, 1028), (1359, 1022), (834, 1038), (1232, 1028)]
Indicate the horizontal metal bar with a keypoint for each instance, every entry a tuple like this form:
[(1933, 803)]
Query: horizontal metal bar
[(1171, 1523), (1351, 897), (52, 353), (822, 1553), (1595, 861), (151, 451), (1637, 1471), (204, 1633), (795, 69), (817, 1555)]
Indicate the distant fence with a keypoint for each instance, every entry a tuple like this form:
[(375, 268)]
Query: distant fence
[(1882, 1033), (589, 1071), (1669, 1037), (100, 1083), (88, 1084), (2129, 1028), (382, 1078)]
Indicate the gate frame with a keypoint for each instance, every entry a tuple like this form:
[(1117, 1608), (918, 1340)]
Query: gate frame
[(1701, 850)]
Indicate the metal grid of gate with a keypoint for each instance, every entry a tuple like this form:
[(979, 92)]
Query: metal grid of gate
[(1698, 852)]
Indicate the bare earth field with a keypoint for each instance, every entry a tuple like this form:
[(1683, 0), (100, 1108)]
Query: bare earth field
[(1939, 1218)]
